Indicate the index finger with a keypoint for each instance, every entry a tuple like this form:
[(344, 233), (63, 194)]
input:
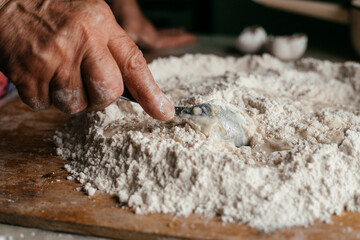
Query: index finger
[(138, 78)]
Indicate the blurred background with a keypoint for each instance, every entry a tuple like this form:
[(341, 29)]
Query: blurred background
[(229, 17), (218, 23)]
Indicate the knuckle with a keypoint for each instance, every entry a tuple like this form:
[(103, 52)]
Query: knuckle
[(135, 59), (69, 101), (31, 92), (36, 103)]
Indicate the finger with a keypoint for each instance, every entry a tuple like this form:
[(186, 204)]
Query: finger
[(102, 77), (138, 78), (33, 92), (165, 40), (171, 31), (168, 39), (146, 37), (68, 93)]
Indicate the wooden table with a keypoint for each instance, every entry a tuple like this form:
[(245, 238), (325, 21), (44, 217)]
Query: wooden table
[(34, 192)]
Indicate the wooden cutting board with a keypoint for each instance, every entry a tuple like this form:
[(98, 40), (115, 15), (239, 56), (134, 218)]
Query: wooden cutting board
[(34, 192)]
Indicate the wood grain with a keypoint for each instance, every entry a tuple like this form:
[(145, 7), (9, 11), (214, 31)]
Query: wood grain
[(34, 192)]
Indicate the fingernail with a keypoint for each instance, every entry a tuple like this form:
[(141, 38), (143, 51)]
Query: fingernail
[(166, 108)]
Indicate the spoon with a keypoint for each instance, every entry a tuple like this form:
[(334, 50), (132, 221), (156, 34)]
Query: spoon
[(215, 118)]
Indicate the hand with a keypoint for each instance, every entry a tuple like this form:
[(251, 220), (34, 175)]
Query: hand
[(75, 55), (140, 29)]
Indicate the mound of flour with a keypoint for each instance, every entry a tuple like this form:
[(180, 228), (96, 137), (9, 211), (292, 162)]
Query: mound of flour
[(302, 164)]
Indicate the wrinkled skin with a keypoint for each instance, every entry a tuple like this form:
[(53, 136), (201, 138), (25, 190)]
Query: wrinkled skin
[(140, 29), (74, 54)]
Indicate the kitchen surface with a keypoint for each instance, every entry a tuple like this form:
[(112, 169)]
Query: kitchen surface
[(39, 199)]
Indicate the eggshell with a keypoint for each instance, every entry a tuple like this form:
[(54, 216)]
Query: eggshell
[(287, 48), (251, 39)]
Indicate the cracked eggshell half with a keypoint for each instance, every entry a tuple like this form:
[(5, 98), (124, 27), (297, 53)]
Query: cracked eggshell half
[(287, 48), (251, 39)]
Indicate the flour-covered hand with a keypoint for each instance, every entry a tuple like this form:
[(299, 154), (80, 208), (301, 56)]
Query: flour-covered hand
[(75, 55)]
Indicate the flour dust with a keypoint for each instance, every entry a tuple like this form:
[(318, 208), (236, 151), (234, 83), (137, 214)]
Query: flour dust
[(302, 162)]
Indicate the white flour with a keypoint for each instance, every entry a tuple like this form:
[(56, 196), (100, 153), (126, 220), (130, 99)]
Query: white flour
[(303, 162)]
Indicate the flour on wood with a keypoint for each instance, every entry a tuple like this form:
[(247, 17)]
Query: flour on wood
[(302, 163)]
